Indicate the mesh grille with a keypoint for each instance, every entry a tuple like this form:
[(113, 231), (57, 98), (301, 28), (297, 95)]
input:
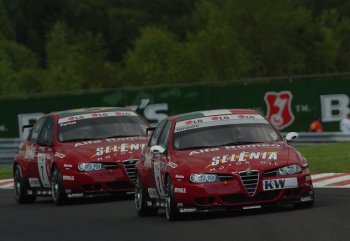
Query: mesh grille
[(250, 180), (129, 166)]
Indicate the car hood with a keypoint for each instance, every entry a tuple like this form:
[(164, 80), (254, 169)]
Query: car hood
[(107, 150), (232, 159)]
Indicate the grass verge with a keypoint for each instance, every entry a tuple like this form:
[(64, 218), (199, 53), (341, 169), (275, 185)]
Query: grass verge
[(5, 172), (327, 157)]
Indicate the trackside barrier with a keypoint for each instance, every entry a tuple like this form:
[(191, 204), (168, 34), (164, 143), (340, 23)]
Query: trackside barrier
[(322, 137), (8, 149), (9, 146)]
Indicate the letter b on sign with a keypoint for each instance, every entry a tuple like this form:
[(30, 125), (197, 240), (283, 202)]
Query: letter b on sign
[(334, 107)]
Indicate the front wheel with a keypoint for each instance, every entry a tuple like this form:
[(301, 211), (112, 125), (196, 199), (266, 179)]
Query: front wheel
[(57, 189), (171, 211), (20, 186), (141, 197)]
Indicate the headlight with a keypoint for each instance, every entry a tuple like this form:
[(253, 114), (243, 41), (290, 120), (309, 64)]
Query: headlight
[(288, 170), (201, 178), (88, 167)]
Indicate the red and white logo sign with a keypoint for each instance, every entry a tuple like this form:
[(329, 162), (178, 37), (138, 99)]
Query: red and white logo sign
[(279, 111)]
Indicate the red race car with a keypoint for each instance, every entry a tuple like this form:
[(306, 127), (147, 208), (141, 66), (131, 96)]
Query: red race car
[(219, 160), (76, 153)]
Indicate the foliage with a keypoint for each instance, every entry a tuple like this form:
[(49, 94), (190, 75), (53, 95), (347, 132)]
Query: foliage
[(62, 45)]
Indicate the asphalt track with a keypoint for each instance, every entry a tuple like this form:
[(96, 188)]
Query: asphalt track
[(115, 219)]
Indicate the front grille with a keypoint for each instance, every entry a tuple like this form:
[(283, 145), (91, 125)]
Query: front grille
[(239, 198), (250, 180), (129, 166)]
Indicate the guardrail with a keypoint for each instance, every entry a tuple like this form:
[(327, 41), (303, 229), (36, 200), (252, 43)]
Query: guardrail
[(321, 137), (8, 149), (9, 146)]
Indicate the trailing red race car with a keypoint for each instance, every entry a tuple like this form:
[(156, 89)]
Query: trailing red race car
[(219, 160), (76, 153)]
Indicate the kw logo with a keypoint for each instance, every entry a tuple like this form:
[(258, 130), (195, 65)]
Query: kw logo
[(274, 184)]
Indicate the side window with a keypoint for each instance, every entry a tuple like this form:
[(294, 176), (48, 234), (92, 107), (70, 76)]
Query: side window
[(164, 136), (46, 134), (156, 133), (37, 129)]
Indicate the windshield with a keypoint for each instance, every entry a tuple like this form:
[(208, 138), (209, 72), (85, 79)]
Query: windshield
[(101, 128), (225, 135)]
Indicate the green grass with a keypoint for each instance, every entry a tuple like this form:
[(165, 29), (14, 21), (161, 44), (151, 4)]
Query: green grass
[(327, 157), (5, 172), (322, 158)]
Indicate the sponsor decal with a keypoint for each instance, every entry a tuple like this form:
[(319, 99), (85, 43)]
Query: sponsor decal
[(154, 113), (42, 169), (124, 147), (217, 121), (59, 155), (67, 166), (279, 111), (95, 115), (179, 176), (68, 123), (29, 153), (34, 182), (180, 190), (171, 164), (68, 178), (244, 156), (206, 150), (159, 177), (152, 192), (87, 143), (283, 183), (78, 144)]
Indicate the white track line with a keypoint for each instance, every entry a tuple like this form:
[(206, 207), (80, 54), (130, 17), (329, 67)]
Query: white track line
[(316, 176)]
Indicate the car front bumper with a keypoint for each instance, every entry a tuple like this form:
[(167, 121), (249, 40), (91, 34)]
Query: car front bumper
[(233, 195)]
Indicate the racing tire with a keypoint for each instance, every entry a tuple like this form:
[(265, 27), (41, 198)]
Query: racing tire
[(58, 194), (171, 212), (141, 198), (21, 187)]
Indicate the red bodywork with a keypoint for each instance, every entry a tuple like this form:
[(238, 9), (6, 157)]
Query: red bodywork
[(117, 155), (227, 162)]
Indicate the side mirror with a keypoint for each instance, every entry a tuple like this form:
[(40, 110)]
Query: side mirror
[(291, 136), (157, 149)]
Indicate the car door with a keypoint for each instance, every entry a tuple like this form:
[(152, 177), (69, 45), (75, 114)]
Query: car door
[(31, 148), (149, 156), (160, 160), (45, 152)]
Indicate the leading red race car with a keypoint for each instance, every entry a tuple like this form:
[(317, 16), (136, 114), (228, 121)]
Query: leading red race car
[(76, 153), (219, 160)]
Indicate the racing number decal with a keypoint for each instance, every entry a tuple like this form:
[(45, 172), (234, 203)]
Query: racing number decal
[(158, 178), (43, 170)]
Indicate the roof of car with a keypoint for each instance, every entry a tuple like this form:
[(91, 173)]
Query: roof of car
[(80, 111), (199, 114)]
